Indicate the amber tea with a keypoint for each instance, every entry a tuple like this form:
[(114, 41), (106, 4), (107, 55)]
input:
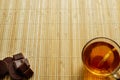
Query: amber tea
[(101, 57)]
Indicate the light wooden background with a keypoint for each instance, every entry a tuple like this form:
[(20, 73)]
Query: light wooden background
[(52, 33)]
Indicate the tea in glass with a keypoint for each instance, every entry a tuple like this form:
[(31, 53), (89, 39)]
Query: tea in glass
[(101, 57)]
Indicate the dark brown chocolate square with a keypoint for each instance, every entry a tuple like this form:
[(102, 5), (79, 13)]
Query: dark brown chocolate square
[(18, 56), (20, 66), (17, 64), (28, 73), (26, 62)]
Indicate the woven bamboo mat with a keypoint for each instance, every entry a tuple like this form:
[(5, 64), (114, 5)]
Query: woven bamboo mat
[(52, 33)]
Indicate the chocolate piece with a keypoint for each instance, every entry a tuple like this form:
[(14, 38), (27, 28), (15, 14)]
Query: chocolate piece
[(17, 63), (8, 60), (20, 66), (26, 62), (3, 69), (13, 73), (18, 56), (28, 73)]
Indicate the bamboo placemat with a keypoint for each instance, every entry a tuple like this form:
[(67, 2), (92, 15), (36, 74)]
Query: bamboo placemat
[(52, 33)]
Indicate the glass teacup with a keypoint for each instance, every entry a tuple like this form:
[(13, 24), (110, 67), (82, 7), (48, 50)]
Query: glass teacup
[(101, 56)]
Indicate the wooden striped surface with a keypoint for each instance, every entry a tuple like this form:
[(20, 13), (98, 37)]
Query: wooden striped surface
[(52, 33)]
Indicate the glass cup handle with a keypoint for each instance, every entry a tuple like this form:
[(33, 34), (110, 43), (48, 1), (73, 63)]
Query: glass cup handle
[(116, 75)]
